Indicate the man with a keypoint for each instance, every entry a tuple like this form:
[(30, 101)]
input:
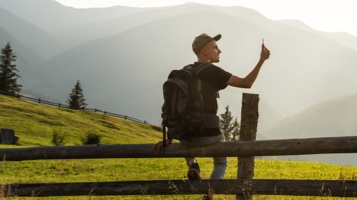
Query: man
[(213, 79)]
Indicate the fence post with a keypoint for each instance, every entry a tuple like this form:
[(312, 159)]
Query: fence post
[(7, 136), (248, 132)]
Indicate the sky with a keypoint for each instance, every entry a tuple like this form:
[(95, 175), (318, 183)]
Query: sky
[(322, 15)]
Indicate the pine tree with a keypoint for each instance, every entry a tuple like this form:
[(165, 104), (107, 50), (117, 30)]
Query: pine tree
[(8, 72), (76, 99), (226, 125), (235, 132)]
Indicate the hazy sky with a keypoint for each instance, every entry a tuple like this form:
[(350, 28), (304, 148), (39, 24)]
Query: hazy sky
[(324, 15)]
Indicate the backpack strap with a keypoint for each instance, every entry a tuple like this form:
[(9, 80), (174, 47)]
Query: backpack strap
[(211, 120), (201, 67), (164, 136)]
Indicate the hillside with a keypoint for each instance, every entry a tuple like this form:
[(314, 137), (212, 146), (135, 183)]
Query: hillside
[(59, 16), (334, 117), (331, 118), (41, 42), (34, 124)]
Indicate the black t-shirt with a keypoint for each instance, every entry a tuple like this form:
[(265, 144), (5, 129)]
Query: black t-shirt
[(213, 79)]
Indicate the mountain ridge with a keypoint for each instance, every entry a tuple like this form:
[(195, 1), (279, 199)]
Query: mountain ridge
[(316, 120), (119, 47), (123, 69)]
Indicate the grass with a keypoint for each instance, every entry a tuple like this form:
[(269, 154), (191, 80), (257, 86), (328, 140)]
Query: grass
[(34, 125), (102, 170)]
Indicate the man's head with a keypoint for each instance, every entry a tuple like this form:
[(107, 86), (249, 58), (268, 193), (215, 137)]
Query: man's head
[(206, 49), (201, 41)]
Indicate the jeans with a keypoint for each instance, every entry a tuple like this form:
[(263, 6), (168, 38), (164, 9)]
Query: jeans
[(220, 163)]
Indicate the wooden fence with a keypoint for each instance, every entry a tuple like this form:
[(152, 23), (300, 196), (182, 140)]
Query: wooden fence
[(59, 105), (244, 187)]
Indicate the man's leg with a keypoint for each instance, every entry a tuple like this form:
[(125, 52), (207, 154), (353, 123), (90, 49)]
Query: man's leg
[(193, 169), (219, 169), (190, 160)]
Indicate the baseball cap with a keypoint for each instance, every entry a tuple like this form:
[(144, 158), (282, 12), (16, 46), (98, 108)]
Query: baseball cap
[(200, 41)]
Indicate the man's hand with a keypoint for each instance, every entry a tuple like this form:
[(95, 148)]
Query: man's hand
[(159, 147), (265, 53)]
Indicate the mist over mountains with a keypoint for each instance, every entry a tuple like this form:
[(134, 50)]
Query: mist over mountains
[(122, 55)]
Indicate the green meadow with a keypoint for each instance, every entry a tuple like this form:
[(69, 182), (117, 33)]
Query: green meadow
[(34, 124)]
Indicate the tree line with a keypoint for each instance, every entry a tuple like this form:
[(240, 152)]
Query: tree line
[(9, 75)]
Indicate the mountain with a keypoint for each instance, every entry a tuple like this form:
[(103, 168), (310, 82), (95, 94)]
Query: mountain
[(32, 46), (332, 118), (122, 55), (65, 23), (36, 39), (59, 16), (138, 61), (108, 27), (133, 64), (343, 38)]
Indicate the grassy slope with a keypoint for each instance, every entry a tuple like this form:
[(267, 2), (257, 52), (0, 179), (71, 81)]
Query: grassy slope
[(34, 124)]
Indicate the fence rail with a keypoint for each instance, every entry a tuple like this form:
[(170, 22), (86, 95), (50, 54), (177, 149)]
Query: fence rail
[(59, 105), (240, 187), (226, 149), (327, 188)]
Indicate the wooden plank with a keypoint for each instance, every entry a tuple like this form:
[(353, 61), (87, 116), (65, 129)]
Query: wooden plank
[(228, 149), (328, 188)]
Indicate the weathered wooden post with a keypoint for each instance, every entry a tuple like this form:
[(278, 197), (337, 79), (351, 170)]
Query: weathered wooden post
[(248, 132), (7, 136)]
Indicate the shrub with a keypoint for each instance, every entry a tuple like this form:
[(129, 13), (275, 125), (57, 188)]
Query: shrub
[(156, 128), (91, 138), (58, 139)]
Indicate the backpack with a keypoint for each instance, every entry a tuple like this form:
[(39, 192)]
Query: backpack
[(183, 111)]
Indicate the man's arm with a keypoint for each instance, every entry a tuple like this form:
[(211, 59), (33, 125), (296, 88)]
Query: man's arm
[(159, 147), (248, 81)]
